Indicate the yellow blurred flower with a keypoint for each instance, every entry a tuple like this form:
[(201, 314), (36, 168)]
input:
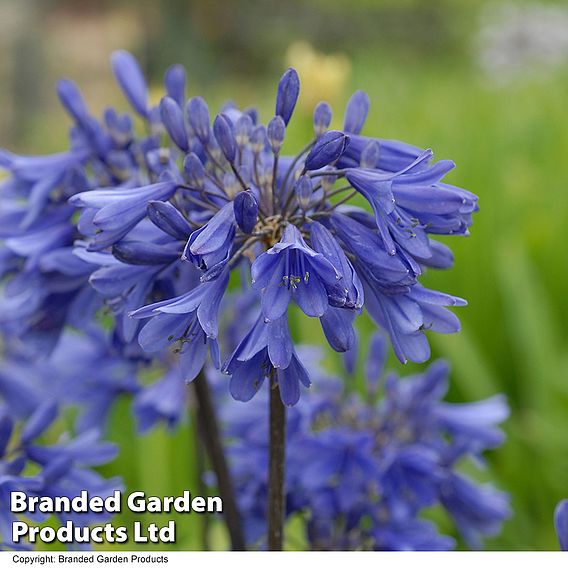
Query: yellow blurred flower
[(322, 76)]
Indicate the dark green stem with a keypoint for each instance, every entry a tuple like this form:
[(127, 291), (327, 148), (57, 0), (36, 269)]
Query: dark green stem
[(276, 470), (211, 436)]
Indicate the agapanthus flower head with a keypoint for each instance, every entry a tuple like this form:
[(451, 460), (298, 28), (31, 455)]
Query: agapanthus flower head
[(361, 471), (168, 217), (63, 468)]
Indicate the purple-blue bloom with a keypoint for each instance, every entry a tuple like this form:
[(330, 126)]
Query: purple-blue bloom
[(291, 269), (62, 468), (267, 350), (168, 234), (164, 400), (192, 201), (362, 473)]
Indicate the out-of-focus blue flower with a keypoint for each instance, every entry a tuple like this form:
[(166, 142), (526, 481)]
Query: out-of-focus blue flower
[(164, 400), (322, 118), (131, 80), (561, 524), (62, 468), (362, 473)]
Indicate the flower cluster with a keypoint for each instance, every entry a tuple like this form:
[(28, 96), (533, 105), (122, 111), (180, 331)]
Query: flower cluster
[(153, 227), (155, 230), (362, 472), (85, 372), (35, 460)]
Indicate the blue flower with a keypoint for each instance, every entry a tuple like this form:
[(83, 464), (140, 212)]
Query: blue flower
[(190, 321), (225, 198), (410, 203), (266, 348), (561, 524), (291, 269), (163, 400), (363, 472), (117, 212), (105, 375), (209, 247), (61, 469), (478, 511)]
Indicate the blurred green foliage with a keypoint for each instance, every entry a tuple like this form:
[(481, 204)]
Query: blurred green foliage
[(510, 144)]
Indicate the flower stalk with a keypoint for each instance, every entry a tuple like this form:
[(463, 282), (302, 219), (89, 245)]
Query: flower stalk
[(276, 469), (209, 431)]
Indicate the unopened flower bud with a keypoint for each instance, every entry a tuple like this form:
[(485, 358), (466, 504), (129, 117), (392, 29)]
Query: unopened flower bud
[(243, 128), (198, 118), (275, 132), (194, 171), (303, 189), (119, 126), (253, 113), (224, 134), (326, 150), (322, 118), (129, 76), (172, 117), (370, 155), (71, 98), (327, 182), (246, 211), (287, 95), (258, 138), (356, 112), (174, 80)]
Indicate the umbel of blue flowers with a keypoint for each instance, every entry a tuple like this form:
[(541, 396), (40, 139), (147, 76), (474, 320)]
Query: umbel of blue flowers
[(28, 462), (363, 471), (166, 219)]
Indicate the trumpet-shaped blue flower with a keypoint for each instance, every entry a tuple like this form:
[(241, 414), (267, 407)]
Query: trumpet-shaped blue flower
[(209, 248), (190, 321), (267, 350), (291, 269)]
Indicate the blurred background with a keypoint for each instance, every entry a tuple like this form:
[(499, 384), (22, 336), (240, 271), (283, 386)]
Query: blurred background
[(482, 83)]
